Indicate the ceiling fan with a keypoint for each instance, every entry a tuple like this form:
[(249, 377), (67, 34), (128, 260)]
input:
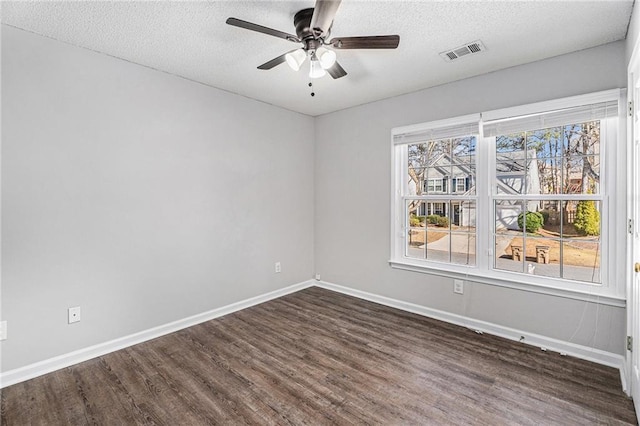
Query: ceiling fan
[(313, 28)]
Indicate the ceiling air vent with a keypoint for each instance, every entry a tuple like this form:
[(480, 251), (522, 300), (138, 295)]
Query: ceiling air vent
[(467, 49)]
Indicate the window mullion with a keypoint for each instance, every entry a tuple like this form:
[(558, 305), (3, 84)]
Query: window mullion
[(483, 219)]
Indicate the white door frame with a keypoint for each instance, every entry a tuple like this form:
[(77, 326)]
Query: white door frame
[(632, 363)]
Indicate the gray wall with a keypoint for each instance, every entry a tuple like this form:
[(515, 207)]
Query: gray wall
[(142, 197), (352, 196)]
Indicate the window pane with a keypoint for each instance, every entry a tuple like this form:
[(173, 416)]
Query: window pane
[(510, 176), (508, 242), (463, 232), (543, 256), (417, 155), (581, 228), (438, 231), (438, 245), (441, 231), (439, 152), (416, 234), (463, 181), (418, 159), (581, 260), (581, 174), (463, 216), (463, 248), (415, 243), (437, 179), (551, 213), (555, 238), (509, 252), (549, 174), (545, 142), (581, 219), (415, 181), (510, 143), (582, 138), (463, 150), (506, 216)]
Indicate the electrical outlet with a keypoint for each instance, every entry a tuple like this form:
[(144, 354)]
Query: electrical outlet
[(74, 314), (458, 286), (317, 277), (3, 330), (278, 268)]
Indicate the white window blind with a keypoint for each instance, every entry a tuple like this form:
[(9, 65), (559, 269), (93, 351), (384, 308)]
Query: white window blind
[(545, 120), (438, 130)]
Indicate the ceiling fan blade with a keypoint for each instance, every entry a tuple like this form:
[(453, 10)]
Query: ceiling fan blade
[(323, 14), (264, 30), (366, 42), (336, 71), (275, 61)]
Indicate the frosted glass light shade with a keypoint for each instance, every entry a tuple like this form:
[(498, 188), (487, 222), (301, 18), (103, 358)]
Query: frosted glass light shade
[(296, 58), (326, 57), (316, 70)]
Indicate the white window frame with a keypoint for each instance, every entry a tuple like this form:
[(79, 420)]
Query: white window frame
[(611, 291), (437, 186), (464, 184)]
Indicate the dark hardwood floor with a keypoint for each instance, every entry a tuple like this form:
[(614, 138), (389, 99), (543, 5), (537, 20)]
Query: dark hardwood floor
[(319, 357)]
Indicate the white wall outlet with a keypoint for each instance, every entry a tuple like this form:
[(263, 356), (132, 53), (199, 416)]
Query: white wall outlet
[(278, 268), (317, 277), (74, 314), (458, 286), (3, 330)]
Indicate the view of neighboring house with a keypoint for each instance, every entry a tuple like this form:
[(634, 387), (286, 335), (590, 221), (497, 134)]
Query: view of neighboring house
[(517, 172), (454, 176)]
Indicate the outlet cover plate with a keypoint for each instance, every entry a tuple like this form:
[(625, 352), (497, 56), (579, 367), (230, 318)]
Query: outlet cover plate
[(74, 314), (458, 286)]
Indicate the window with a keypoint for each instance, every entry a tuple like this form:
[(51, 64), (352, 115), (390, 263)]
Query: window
[(434, 185), (430, 158), (460, 184), (548, 202), (518, 195)]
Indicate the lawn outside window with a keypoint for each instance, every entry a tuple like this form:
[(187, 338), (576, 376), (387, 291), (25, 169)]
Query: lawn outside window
[(518, 197)]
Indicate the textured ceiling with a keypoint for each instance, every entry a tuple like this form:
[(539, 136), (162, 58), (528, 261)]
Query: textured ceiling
[(191, 39)]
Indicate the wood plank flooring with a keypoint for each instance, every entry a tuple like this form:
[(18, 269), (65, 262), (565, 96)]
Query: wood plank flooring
[(319, 357)]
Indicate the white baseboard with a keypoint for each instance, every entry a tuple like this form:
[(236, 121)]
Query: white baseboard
[(27, 372), (548, 343), (623, 380)]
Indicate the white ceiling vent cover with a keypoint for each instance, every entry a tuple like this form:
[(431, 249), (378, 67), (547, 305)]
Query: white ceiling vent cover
[(464, 50)]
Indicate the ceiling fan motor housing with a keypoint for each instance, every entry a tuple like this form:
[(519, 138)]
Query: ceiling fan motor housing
[(302, 22)]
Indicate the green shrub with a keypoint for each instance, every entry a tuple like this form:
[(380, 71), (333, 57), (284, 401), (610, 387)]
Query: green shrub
[(421, 218), (413, 220), (587, 220), (443, 221), (433, 219), (534, 220)]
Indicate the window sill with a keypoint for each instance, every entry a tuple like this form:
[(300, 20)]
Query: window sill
[(594, 294)]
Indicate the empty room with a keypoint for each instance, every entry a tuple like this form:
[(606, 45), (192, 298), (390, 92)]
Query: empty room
[(320, 212)]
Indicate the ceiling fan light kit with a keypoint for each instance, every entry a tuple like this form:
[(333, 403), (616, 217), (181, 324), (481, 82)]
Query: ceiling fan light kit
[(313, 27), (326, 57), (295, 59), (316, 70)]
